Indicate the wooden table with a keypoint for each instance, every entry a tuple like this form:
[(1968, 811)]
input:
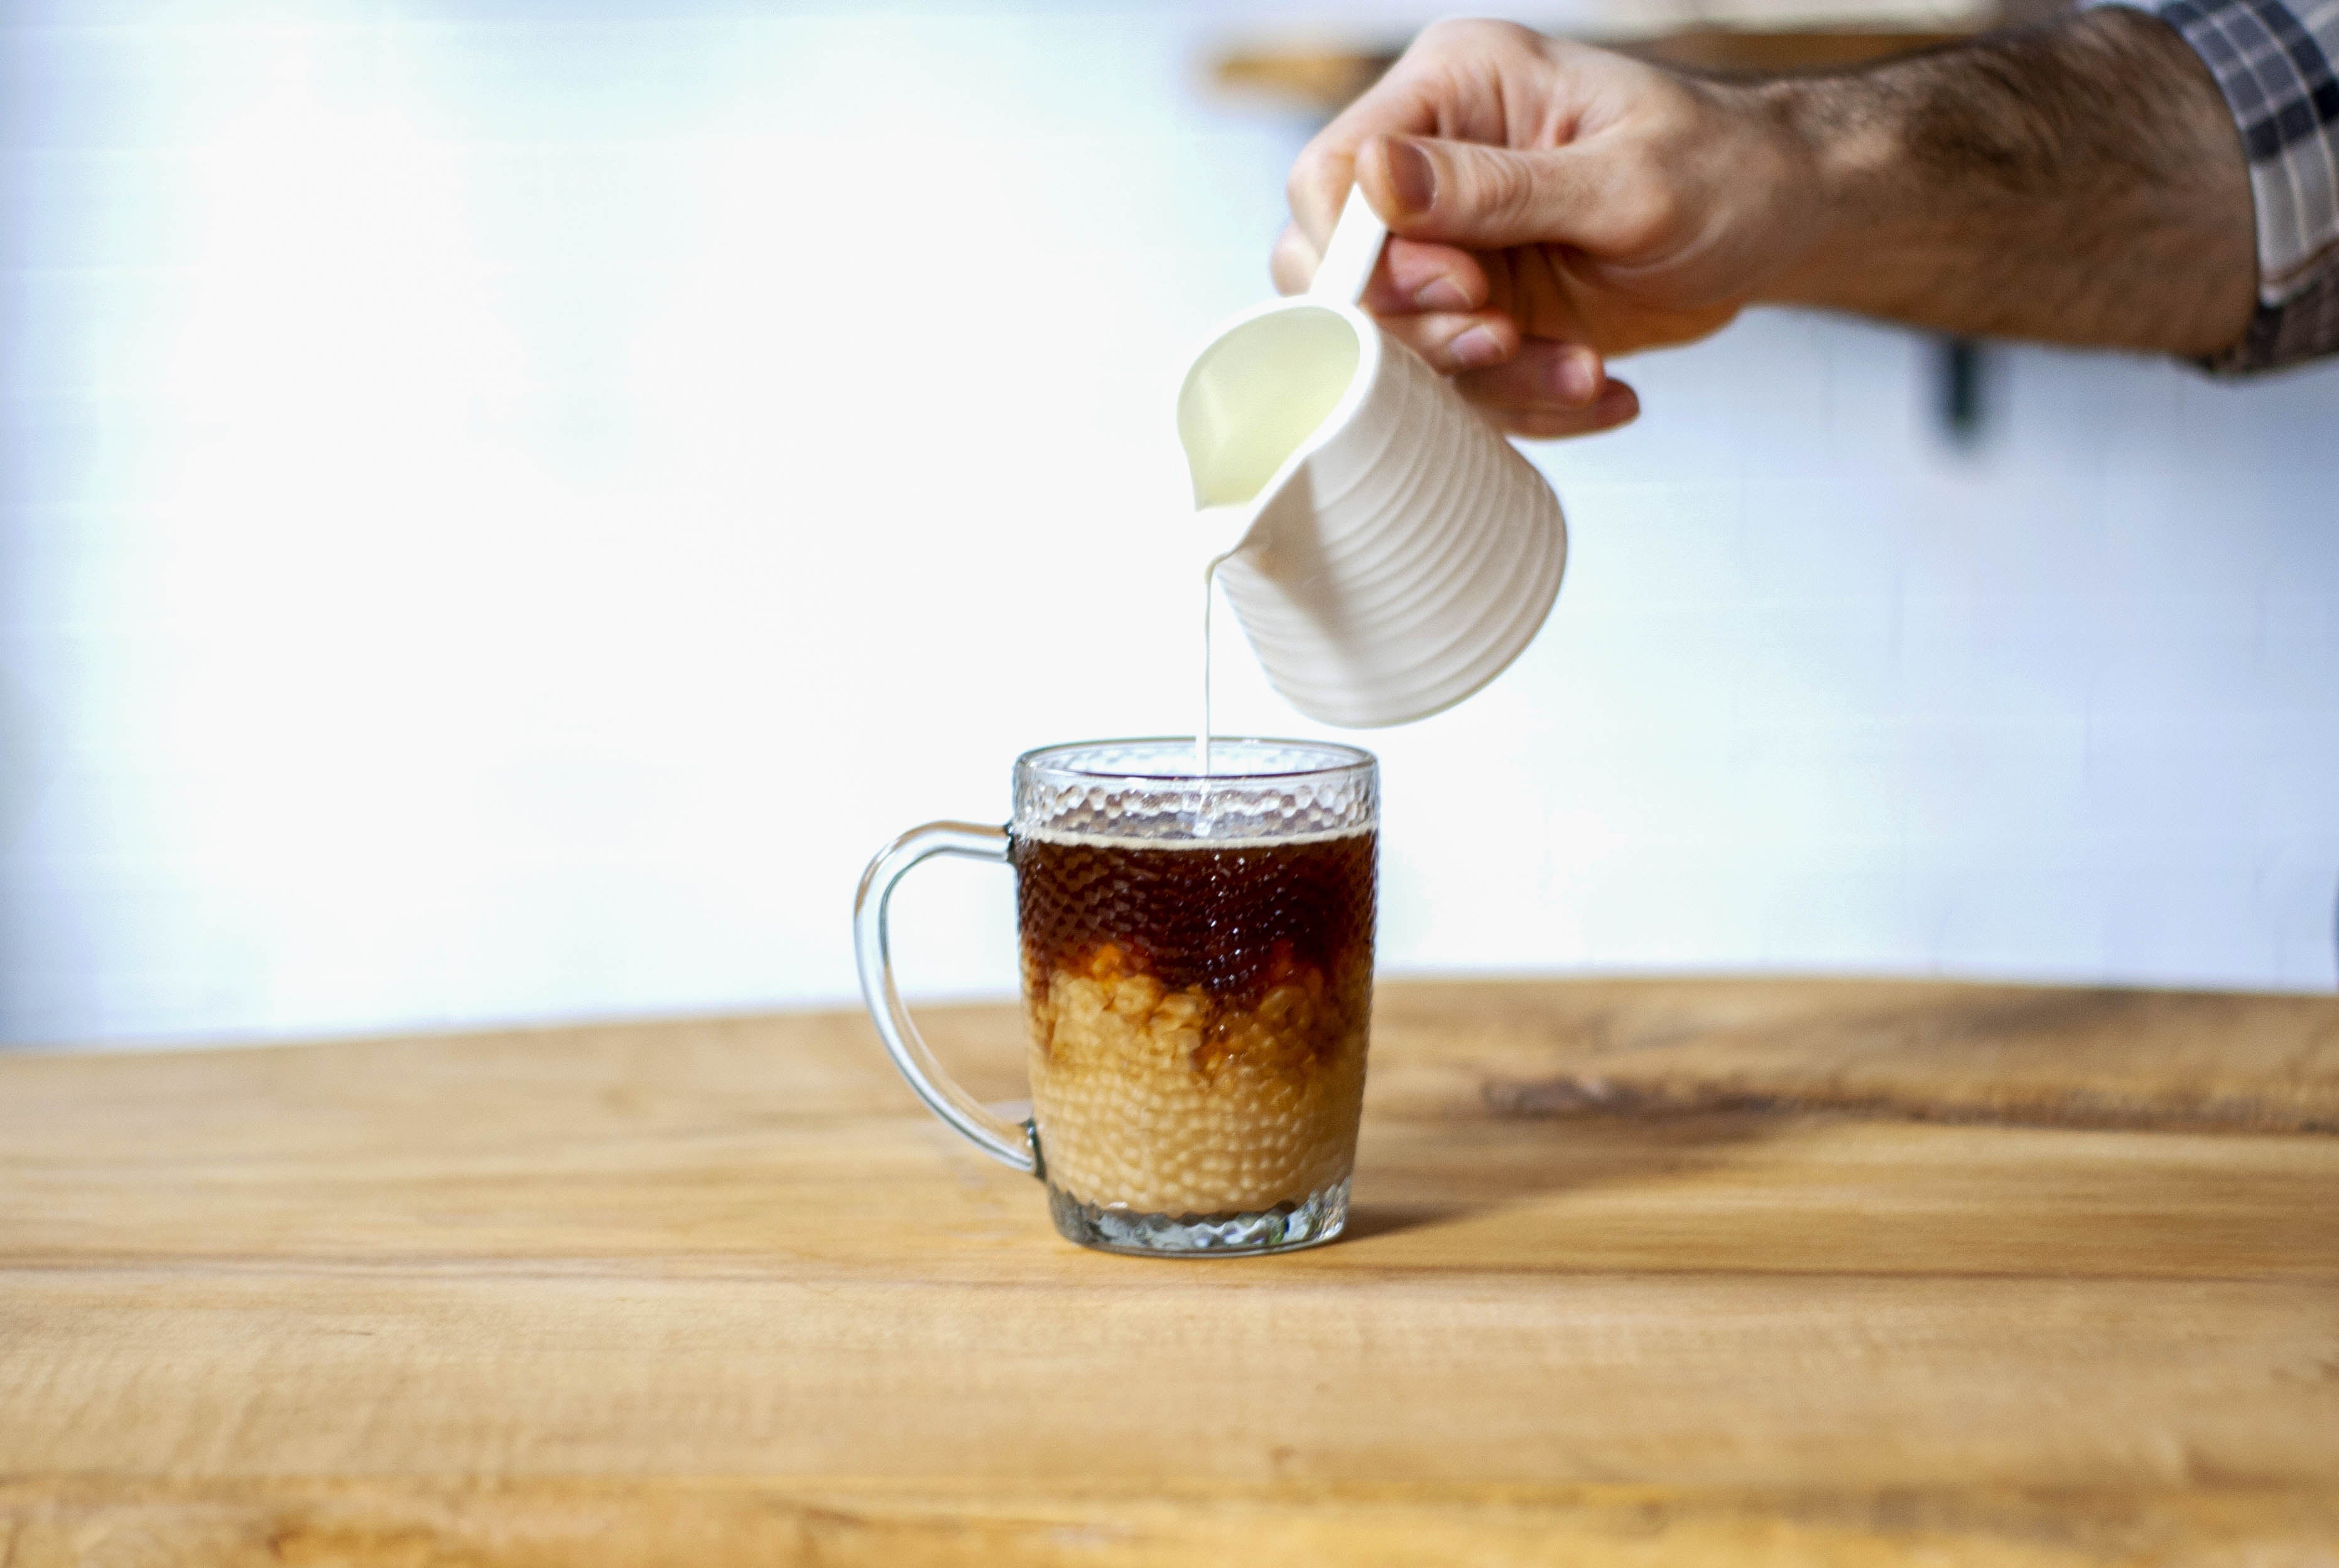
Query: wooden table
[(1641, 1273)]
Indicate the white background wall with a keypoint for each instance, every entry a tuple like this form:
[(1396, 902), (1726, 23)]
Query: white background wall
[(503, 507)]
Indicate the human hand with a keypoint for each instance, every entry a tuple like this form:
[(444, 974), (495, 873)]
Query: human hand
[(1549, 205)]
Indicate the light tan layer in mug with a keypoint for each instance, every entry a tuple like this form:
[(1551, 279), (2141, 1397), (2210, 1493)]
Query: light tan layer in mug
[(1166, 1102)]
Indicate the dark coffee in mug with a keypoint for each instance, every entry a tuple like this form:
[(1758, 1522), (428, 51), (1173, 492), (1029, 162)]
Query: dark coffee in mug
[(1198, 1014)]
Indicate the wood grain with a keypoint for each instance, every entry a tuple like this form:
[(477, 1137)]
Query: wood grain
[(1936, 1050), (1662, 1272), (605, 1524)]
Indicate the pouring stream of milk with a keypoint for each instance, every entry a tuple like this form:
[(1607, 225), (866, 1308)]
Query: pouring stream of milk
[(1226, 516), (1202, 735)]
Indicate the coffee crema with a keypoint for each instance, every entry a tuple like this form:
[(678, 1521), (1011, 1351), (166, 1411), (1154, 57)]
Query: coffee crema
[(1198, 1014)]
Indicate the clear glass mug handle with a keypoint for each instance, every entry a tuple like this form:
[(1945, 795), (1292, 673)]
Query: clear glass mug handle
[(873, 951)]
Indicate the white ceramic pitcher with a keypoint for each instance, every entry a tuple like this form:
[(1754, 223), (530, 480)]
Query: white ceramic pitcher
[(1394, 552)]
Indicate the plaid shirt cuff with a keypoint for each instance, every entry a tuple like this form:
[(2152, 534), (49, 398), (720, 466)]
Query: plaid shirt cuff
[(2272, 61)]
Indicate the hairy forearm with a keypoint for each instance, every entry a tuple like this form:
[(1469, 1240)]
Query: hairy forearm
[(2081, 182)]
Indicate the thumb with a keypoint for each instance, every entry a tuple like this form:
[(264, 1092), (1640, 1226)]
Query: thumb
[(1487, 198)]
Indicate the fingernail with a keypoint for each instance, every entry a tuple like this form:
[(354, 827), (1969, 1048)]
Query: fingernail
[(1575, 379), (1619, 405), (1475, 349), (1441, 294), (1413, 178)]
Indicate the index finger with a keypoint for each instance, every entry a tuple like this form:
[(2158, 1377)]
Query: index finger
[(1412, 275)]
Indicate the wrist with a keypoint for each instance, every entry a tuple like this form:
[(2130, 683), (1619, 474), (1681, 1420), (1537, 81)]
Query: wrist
[(2080, 181), (1838, 153)]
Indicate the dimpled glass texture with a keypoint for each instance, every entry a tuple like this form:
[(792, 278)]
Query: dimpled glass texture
[(1153, 789), (1198, 983)]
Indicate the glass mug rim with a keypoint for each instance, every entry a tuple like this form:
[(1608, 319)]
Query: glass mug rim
[(1059, 760)]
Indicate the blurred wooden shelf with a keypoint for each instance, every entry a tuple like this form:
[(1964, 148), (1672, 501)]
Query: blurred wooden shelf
[(1326, 80)]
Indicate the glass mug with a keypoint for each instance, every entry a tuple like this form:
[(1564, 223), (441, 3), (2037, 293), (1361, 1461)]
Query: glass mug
[(1197, 979)]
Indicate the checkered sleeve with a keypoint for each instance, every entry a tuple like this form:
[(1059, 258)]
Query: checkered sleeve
[(2272, 59)]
